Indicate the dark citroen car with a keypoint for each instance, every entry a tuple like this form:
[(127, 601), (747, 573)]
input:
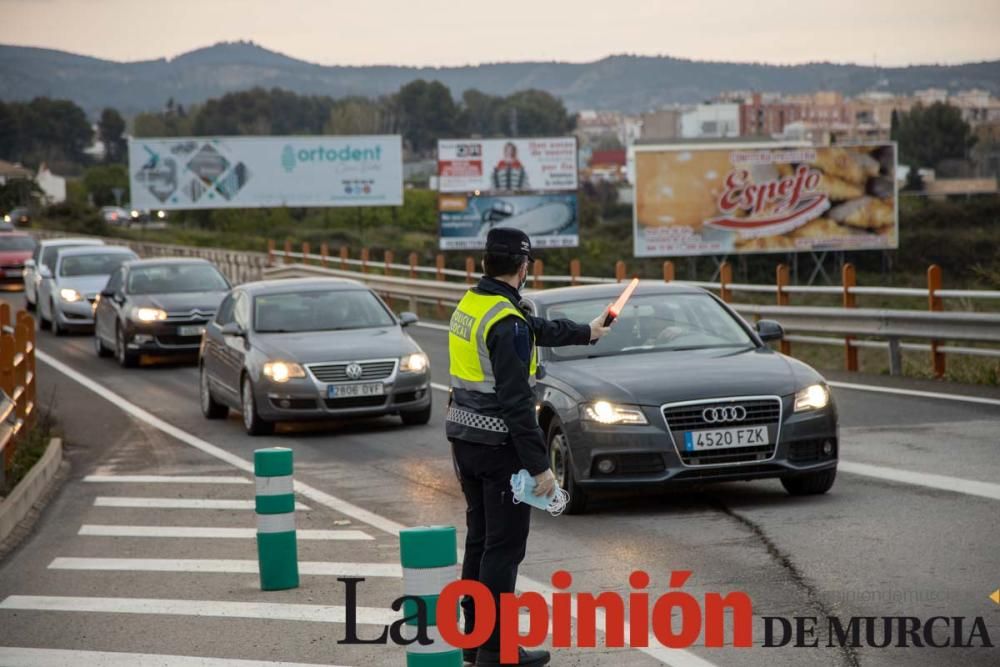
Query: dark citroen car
[(295, 350), (681, 389), (156, 307)]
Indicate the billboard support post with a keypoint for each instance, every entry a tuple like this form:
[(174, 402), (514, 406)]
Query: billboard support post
[(934, 303), (574, 272), (725, 278), (668, 271), (781, 281), (849, 280)]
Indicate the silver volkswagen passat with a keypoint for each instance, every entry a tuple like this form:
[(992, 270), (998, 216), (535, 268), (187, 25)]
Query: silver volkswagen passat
[(311, 349)]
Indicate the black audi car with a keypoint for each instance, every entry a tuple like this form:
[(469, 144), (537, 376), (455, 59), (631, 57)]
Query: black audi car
[(156, 307), (682, 389)]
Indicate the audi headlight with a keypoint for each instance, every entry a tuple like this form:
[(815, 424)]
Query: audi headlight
[(414, 363), (6, 218), (283, 371), (604, 412), (70, 295), (813, 397), (149, 314)]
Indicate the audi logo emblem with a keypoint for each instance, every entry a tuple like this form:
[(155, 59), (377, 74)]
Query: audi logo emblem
[(354, 371), (728, 413)]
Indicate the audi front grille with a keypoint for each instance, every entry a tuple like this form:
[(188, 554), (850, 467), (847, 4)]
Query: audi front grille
[(379, 369), (722, 414)]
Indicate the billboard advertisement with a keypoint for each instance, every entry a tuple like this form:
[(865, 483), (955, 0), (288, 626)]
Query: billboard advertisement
[(550, 219), (759, 199), (507, 165), (244, 172)]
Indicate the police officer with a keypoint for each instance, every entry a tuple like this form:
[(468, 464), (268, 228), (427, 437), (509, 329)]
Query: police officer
[(491, 420)]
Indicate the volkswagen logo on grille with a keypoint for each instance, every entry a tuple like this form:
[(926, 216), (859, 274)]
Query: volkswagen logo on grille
[(354, 371), (728, 413)]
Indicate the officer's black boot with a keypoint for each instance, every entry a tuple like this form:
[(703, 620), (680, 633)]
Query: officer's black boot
[(488, 658)]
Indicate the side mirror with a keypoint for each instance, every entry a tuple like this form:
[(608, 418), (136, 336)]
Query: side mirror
[(769, 330), (29, 263), (407, 318), (44, 271), (107, 293), (233, 329)]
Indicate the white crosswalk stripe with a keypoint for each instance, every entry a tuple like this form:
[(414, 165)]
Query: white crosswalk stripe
[(214, 608), (167, 479), (203, 532), (180, 503), (231, 566)]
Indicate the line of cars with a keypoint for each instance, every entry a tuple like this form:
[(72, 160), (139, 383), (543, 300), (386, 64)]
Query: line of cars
[(274, 350), (681, 390)]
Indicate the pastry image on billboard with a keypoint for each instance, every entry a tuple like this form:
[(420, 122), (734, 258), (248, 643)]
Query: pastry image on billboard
[(712, 201)]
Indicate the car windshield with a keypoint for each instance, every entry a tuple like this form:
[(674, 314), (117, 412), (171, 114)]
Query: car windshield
[(16, 242), (173, 278), (326, 310), (92, 265), (654, 322)]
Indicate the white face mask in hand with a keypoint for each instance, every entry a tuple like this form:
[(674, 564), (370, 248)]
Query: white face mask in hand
[(523, 486)]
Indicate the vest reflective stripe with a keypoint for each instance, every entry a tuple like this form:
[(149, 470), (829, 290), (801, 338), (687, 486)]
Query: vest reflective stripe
[(469, 358)]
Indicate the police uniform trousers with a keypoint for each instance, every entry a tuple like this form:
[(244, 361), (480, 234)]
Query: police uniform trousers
[(497, 527)]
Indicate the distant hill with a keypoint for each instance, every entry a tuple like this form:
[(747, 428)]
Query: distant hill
[(627, 83)]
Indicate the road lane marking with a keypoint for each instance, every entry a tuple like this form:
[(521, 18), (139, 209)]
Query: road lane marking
[(917, 393), (667, 656), (103, 530), (51, 657), (179, 503), (167, 479), (440, 387), (223, 566), (272, 611), (942, 482)]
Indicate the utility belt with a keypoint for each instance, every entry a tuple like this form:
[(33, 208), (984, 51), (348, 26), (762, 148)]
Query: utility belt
[(472, 425)]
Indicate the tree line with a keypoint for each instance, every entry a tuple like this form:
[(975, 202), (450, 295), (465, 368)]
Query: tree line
[(421, 111)]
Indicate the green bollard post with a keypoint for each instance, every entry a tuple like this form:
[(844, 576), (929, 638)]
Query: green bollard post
[(277, 553), (429, 556)]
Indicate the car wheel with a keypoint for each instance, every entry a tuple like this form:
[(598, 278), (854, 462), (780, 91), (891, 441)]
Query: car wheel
[(416, 417), (810, 484), (126, 359), (209, 406), (100, 349), (57, 329), (562, 467), (252, 422)]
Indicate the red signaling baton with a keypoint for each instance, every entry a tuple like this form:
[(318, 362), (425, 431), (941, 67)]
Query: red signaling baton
[(618, 306)]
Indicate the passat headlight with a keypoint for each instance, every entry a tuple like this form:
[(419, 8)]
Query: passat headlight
[(604, 412), (70, 295), (413, 363), (283, 371), (149, 314), (813, 397)]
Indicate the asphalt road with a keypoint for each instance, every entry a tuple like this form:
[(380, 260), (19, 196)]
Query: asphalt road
[(871, 547)]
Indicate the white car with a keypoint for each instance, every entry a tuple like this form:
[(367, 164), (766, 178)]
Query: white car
[(66, 300), (42, 263)]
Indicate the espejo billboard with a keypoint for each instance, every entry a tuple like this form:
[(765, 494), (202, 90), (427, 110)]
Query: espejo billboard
[(507, 165), (549, 219), (242, 172), (693, 200)]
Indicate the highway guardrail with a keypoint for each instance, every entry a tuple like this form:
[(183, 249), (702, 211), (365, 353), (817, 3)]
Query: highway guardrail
[(17, 382)]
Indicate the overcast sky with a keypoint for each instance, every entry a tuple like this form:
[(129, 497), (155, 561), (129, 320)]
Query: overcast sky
[(458, 32)]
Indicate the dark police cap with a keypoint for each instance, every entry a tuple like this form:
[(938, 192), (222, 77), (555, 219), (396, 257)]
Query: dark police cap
[(508, 241)]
